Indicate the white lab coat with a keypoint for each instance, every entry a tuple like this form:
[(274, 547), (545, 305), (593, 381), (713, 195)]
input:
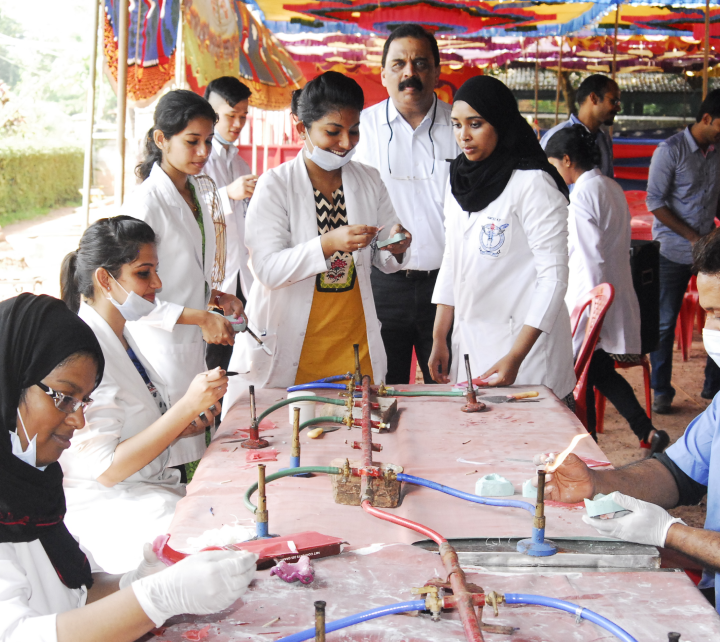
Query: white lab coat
[(224, 166), (599, 246), (175, 351), (31, 593), (114, 523), (285, 255), (518, 277)]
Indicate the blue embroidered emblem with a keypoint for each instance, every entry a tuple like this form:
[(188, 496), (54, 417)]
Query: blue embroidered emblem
[(492, 239)]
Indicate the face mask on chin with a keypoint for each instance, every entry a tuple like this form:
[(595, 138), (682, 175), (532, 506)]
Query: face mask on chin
[(325, 159), (711, 341), (29, 456), (135, 307), (221, 140)]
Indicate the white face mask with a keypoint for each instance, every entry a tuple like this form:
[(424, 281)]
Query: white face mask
[(135, 307), (30, 455), (711, 341), (325, 159)]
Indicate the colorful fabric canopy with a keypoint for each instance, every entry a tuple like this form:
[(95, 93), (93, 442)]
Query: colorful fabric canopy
[(451, 17), (222, 38), (152, 37)]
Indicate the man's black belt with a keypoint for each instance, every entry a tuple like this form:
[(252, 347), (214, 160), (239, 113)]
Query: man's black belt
[(415, 275)]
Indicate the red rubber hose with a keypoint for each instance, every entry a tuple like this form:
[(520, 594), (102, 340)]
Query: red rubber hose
[(401, 521)]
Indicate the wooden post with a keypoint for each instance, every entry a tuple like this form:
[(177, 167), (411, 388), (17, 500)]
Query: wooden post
[(614, 60), (180, 55), (557, 88), (123, 16), (88, 164), (706, 53), (537, 77)]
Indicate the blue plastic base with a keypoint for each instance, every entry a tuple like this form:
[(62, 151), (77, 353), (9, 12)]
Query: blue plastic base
[(261, 531), (295, 463), (537, 545)]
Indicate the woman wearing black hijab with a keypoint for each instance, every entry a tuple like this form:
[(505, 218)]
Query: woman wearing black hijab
[(505, 269), (50, 362)]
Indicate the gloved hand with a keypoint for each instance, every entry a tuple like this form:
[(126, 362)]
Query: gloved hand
[(149, 566), (200, 584), (647, 524)]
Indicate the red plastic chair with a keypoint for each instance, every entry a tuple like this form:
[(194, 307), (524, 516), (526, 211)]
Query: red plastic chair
[(599, 300), (600, 399), (690, 313)]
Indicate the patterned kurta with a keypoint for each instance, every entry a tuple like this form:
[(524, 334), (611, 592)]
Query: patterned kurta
[(337, 319)]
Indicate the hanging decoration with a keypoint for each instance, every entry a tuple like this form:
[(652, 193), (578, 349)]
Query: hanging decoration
[(222, 38), (152, 38)]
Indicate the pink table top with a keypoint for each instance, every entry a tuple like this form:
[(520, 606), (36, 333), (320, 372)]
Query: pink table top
[(427, 438), (646, 604)]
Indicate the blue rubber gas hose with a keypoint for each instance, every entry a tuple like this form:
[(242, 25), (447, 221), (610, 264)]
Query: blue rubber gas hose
[(402, 607), (341, 377), (510, 503), (569, 607), (317, 386)]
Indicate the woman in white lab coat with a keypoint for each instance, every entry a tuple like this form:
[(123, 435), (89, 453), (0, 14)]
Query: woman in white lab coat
[(309, 230), (504, 272), (51, 364), (599, 247), (119, 489), (183, 209)]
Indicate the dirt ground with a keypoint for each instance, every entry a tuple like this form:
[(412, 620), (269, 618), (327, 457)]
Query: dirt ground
[(619, 442), (31, 255)]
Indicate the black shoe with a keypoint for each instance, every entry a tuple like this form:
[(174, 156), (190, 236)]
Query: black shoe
[(708, 394), (662, 404), (659, 442)]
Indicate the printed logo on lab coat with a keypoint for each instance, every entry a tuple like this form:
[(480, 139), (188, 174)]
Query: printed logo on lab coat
[(492, 239)]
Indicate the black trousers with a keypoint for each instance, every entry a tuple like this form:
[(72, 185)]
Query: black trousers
[(218, 355), (404, 308), (603, 376)]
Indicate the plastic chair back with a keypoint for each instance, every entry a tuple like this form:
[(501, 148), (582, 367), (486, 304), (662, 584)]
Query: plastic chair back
[(598, 300)]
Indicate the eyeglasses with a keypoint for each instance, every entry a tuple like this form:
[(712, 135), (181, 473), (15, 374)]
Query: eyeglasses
[(64, 403)]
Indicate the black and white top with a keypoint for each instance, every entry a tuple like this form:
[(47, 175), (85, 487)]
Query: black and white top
[(330, 216)]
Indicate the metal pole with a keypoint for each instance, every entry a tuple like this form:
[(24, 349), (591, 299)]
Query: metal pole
[(557, 88), (87, 166), (614, 60), (122, 59), (537, 77), (706, 53)]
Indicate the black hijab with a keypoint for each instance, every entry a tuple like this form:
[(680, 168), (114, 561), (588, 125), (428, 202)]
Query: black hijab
[(37, 333), (476, 184)]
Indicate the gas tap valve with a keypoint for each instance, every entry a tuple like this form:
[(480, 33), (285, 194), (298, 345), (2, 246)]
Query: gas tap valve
[(433, 600), (494, 599)]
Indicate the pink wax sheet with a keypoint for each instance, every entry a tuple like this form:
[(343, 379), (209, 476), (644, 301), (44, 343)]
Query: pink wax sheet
[(195, 635), (263, 454), (646, 604), (264, 425)]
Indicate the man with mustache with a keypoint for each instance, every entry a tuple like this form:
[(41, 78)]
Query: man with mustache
[(409, 139), (598, 98)]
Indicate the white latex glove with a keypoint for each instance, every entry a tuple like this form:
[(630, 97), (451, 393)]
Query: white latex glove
[(200, 584), (647, 524), (149, 566)]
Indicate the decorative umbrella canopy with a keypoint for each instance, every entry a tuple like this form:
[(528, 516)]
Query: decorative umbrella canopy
[(672, 19), (451, 17), (222, 38), (152, 38)]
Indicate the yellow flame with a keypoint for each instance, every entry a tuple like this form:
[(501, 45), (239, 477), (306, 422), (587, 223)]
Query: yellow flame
[(561, 457)]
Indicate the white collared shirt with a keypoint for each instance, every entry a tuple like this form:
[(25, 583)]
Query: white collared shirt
[(406, 166), (224, 166)]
